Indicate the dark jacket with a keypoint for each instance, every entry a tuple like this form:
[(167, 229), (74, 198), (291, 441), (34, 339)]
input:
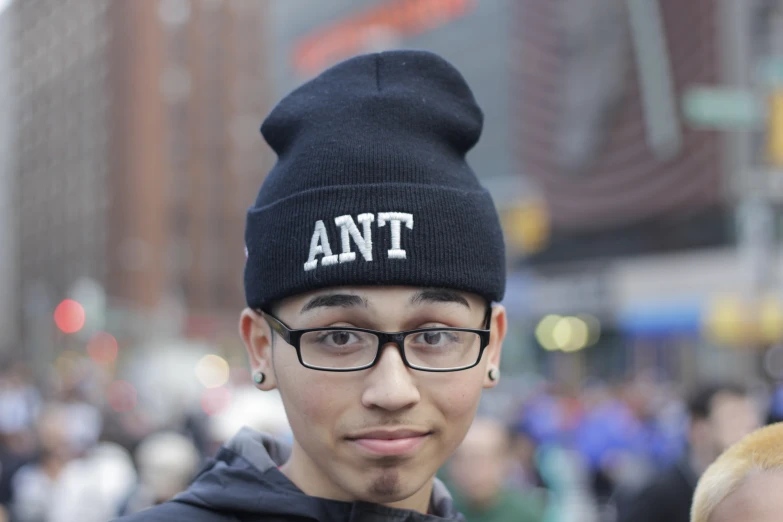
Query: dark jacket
[(667, 498), (243, 484)]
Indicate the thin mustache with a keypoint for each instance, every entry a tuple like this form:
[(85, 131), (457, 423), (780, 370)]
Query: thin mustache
[(386, 423)]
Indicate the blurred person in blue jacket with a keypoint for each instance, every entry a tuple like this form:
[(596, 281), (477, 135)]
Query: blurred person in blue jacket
[(775, 413), (622, 438), (374, 262), (720, 415)]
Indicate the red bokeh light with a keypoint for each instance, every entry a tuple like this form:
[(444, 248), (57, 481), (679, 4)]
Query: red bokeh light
[(215, 400), (121, 396), (103, 348), (69, 316)]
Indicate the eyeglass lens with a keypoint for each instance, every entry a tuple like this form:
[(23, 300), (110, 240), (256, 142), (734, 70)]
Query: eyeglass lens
[(350, 349)]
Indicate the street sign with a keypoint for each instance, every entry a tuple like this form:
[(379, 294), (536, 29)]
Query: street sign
[(722, 108), (770, 71)]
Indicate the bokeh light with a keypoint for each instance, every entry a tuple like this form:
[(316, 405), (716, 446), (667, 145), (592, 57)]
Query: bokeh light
[(121, 396), (103, 348), (544, 332), (593, 328), (215, 400), (725, 320), (69, 316), (569, 334), (212, 371), (770, 320)]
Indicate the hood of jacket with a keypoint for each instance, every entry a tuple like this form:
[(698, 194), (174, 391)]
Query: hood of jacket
[(244, 481)]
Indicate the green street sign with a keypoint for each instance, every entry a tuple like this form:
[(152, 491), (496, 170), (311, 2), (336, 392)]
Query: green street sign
[(722, 108), (770, 72)]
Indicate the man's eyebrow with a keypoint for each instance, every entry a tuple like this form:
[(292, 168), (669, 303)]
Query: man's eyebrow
[(334, 300), (438, 295)]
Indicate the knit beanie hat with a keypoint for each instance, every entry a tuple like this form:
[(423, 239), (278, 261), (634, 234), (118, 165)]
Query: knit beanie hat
[(371, 186)]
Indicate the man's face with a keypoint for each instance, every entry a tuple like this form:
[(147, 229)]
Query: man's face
[(758, 499), (333, 415), (731, 418)]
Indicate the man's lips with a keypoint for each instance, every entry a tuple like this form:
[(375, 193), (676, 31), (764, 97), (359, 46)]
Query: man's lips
[(390, 442)]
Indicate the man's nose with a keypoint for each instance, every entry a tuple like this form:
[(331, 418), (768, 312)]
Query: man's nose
[(390, 384)]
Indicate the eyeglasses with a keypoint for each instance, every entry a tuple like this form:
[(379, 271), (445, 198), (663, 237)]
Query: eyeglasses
[(346, 349)]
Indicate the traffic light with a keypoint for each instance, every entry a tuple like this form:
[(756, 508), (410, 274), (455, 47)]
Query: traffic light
[(526, 226), (775, 129)]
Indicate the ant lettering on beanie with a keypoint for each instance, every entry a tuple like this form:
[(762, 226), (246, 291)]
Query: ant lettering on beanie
[(319, 242)]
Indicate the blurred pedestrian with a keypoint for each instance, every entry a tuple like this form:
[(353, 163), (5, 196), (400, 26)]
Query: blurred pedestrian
[(478, 474), (20, 405), (167, 463), (33, 486), (525, 474), (93, 486), (374, 257), (720, 415), (775, 413), (264, 413), (745, 483)]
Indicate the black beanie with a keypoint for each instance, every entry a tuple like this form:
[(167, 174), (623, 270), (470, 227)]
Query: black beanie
[(371, 186)]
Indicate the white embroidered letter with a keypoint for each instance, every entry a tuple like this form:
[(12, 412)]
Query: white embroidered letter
[(396, 252), (349, 230), (319, 245)]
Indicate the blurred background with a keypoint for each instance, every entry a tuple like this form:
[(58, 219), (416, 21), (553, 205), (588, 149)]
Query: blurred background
[(634, 149)]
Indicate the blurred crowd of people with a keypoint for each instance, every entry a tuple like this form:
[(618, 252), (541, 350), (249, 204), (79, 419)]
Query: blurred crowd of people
[(629, 452), (605, 453), (66, 455)]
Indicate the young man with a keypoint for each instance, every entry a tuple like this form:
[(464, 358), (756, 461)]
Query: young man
[(374, 260)]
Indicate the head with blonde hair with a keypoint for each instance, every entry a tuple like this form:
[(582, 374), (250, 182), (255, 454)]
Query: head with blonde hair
[(745, 483)]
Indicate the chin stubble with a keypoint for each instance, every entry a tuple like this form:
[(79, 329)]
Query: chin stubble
[(386, 485)]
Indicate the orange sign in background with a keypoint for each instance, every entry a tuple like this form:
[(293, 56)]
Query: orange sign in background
[(352, 35)]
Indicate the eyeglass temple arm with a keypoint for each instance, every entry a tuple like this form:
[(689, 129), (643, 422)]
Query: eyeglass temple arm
[(281, 329), (488, 317)]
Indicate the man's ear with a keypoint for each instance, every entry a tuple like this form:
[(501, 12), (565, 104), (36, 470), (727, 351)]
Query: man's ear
[(498, 327), (257, 337)]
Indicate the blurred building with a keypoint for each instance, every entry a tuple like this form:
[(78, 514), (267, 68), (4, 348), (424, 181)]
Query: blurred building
[(139, 152), (599, 128), (644, 208), (472, 34), (9, 306)]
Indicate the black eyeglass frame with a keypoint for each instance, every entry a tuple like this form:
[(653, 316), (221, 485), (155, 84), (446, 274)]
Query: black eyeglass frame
[(293, 338)]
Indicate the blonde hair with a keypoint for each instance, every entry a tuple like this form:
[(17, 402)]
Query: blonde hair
[(760, 451)]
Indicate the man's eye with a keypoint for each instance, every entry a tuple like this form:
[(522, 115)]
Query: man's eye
[(437, 338), (338, 338), (341, 338), (433, 337)]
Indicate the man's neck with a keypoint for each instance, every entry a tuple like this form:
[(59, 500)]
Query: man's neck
[(307, 476)]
